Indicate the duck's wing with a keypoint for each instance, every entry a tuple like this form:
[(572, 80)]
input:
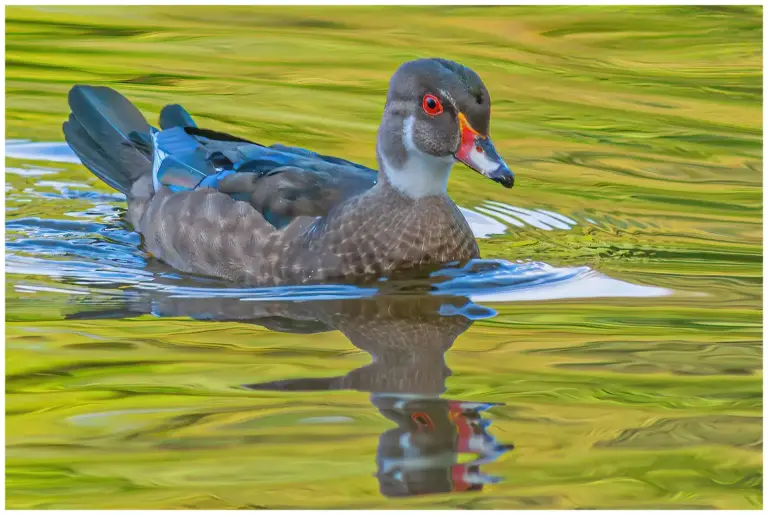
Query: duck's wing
[(279, 181)]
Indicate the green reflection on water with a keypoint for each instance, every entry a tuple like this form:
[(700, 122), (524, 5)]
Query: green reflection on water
[(643, 124)]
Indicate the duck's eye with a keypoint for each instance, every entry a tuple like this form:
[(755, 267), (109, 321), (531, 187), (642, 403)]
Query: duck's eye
[(431, 105)]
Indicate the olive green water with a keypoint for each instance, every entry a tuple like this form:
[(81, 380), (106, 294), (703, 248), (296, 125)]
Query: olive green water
[(640, 127)]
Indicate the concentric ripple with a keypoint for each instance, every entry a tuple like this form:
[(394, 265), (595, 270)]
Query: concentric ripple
[(87, 255)]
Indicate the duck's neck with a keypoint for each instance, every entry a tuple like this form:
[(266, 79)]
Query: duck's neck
[(404, 167)]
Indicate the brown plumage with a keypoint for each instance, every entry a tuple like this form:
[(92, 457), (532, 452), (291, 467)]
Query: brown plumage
[(213, 204)]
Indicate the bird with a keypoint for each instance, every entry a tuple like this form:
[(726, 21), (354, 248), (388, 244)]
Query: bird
[(213, 204)]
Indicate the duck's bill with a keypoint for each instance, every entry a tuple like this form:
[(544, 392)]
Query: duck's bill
[(478, 153)]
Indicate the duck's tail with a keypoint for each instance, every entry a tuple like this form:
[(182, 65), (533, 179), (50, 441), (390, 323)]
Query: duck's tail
[(109, 135)]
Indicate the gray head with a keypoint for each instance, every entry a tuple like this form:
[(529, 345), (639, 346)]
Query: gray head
[(437, 112)]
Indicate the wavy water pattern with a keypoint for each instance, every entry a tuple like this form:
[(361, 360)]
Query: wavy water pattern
[(605, 354), (104, 263)]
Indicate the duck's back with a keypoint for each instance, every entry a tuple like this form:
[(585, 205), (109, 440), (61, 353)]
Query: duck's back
[(213, 204)]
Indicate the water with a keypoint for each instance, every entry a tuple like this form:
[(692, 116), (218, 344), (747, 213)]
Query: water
[(605, 354)]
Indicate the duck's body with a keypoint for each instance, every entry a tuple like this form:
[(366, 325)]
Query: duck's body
[(214, 204), (372, 234)]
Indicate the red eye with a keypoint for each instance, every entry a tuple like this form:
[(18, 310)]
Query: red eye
[(431, 105)]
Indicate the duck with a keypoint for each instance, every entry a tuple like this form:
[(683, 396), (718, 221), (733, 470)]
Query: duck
[(209, 203)]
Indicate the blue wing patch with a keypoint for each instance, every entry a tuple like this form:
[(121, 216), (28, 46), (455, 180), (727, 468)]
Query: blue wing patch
[(178, 160), (182, 162), (212, 181)]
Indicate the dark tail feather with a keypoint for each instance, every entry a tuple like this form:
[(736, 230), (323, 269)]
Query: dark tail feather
[(93, 156), (174, 115), (98, 131)]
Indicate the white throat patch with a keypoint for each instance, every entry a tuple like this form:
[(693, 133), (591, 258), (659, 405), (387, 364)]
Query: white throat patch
[(422, 175)]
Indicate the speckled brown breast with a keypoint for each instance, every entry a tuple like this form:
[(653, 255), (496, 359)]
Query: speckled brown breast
[(377, 233)]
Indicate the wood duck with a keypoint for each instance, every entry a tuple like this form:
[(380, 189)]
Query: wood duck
[(210, 203)]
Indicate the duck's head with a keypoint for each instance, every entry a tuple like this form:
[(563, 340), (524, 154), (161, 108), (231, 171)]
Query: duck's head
[(437, 112)]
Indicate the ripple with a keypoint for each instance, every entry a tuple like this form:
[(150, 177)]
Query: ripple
[(482, 226), (540, 219), (40, 151), (485, 281), (97, 255), (502, 281)]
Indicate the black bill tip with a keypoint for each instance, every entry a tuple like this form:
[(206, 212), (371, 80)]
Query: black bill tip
[(503, 176)]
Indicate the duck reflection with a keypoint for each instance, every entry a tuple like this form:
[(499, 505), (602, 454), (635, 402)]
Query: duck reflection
[(407, 338), (422, 455), (438, 444)]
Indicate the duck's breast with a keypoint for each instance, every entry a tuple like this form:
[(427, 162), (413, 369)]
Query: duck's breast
[(379, 236)]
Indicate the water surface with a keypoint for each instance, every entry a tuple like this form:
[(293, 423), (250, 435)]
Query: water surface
[(606, 353)]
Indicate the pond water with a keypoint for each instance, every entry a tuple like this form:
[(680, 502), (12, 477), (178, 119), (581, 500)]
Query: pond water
[(605, 353)]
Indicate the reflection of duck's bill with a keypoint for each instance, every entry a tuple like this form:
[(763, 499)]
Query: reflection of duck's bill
[(465, 478), (472, 433), (471, 430)]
